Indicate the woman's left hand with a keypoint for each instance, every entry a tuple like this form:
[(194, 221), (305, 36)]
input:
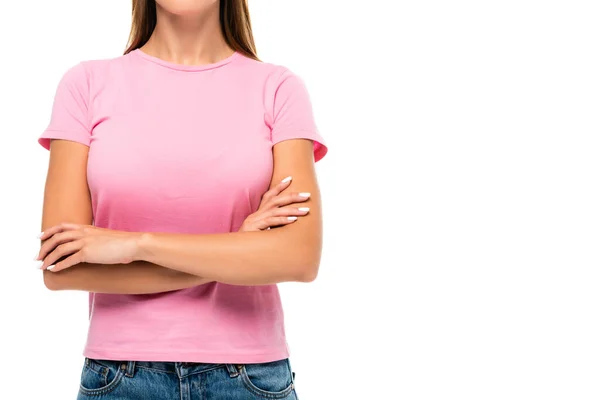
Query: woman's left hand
[(85, 243)]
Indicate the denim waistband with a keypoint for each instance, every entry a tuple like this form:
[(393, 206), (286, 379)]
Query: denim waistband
[(180, 368)]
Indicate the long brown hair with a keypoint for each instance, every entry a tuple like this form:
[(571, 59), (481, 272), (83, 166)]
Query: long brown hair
[(233, 15)]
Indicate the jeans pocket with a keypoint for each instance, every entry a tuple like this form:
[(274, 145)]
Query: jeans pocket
[(99, 377), (271, 380)]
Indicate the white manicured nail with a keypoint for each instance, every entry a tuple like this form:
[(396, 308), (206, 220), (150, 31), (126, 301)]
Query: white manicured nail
[(292, 218), (39, 264), (289, 178), (304, 194), (51, 267), (40, 235), (304, 209), (36, 257)]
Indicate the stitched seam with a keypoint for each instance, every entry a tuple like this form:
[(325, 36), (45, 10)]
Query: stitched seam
[(263, 393), (156, 369), (180, 386), (111, 386), (99, 362), (100, 375), (175, 373), (235, 372), (205, 370), (99, 369), (289, 367)]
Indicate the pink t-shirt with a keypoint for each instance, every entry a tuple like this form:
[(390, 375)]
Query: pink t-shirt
[(182, 149)]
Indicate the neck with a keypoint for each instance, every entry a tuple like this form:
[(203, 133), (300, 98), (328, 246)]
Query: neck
[(188, 39)]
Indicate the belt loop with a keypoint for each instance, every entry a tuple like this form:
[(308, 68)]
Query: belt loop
[(130, 369), (233, 372), (289, 364)]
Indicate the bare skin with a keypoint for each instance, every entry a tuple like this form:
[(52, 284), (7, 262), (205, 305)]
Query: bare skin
[(67, 199), (187, 36), (289, 253), (186, 33)]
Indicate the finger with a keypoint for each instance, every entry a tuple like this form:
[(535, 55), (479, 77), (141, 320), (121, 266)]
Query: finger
[(56, 240), (275, 190), (61, 251), (287, 199), (56, 229), (258, 218), (67, 262), (287, 211), (274, 221)]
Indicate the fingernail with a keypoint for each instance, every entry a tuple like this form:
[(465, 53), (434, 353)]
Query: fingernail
[(40, 235), (289, 178), (304, 194), (37, 256), (292, 218), (51, 267), (39, 264), (304, 209)]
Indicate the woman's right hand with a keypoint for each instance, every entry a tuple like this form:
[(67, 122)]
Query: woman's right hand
[(276, 209)]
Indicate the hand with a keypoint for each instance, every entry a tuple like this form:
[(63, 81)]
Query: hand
[(271, 211), (84, 243)]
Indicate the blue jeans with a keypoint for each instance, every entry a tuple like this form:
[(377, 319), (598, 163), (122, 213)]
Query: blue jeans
[(129, 380)]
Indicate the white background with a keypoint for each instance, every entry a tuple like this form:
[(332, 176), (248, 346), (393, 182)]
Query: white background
[(461, 195)]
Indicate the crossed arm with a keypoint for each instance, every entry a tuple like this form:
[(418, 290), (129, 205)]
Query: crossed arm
[(163, 262)]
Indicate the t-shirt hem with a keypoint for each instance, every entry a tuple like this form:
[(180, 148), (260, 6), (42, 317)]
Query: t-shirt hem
[(187, 356), (320, 148), (50, 134)]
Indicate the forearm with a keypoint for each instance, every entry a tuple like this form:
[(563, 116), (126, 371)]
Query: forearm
[(135, 278), (238, 258)]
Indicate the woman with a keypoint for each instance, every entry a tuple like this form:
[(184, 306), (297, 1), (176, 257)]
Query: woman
[(168, 167)]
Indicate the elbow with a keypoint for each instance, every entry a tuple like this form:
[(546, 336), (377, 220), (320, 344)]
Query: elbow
[(307, 274), (304, 259), (307, 270), (51, 282)]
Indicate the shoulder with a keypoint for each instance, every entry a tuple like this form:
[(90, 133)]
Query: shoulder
[(272, 74), (88, 73), (279, 84)]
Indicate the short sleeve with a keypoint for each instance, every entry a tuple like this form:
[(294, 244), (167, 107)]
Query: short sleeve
[(69, 119), (293, 115)]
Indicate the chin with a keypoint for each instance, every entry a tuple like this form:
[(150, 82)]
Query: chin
[(187, 7)]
